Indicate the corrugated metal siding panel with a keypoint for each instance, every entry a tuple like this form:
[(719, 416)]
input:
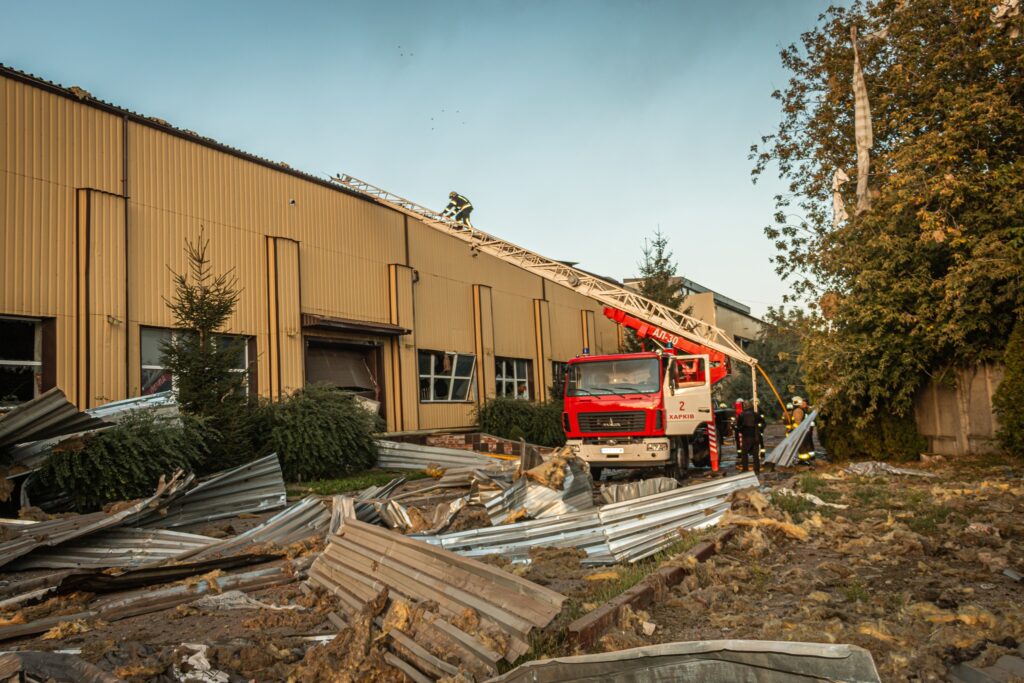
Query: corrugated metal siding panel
[(54, 139), (289, 316), (343, 285), (108, 328), (37, 247), (607, 334), (444, 314), (346, 242), (514, 334), (433, 252), (156, 242), (443, 415)]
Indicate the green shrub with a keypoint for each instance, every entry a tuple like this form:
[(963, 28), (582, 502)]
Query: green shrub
[(538, 423), (886, 437), (122, 462), (1009, 397), (318, 433)]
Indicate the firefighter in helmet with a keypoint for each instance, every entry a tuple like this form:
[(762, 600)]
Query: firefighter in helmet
[(458, 209)]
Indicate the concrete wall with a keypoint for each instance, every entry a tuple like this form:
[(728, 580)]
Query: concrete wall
[(956, 415)]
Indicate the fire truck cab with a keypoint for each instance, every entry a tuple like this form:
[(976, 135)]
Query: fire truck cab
[(637, 410)]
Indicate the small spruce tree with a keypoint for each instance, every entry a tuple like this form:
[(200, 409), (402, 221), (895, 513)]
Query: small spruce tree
[(659, 281), (204, 361)]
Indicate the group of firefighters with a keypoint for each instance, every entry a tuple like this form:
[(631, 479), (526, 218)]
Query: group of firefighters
[(750, 424)]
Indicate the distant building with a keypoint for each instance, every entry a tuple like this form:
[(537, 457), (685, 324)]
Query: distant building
[(717, 309)]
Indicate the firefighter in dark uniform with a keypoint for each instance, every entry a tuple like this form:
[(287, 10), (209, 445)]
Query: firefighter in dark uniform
[(458, 209), (749, 427)]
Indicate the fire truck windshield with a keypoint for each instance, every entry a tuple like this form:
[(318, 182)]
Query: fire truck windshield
[(595, 378)]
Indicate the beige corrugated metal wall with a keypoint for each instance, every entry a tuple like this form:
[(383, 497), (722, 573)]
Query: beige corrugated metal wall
[(956, 417), (107, 341), (333, 255)]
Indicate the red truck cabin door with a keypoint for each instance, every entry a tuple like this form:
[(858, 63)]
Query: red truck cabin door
[(687, 392)]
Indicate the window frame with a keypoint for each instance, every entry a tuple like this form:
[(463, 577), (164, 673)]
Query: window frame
[(503, 381), (559, 376), (451, 377), (173, 332)]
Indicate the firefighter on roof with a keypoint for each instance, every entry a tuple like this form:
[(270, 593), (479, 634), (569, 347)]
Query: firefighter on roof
[(458, 209)]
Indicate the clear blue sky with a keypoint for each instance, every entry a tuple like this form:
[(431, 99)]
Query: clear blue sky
[(575, 127)]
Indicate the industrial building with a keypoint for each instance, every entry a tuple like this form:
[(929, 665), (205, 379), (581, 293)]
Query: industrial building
[(97, 203)]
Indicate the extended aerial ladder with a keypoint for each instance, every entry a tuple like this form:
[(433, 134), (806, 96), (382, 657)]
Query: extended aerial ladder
[(599, 289)]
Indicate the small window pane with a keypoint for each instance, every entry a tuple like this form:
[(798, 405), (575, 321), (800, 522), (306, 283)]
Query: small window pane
[(425, 394), (17, 383), (521, 369), (155, 381), (152, 339), (460, 389), (440, 389), (238, 345), (425, 362), (18, 340), (464, 366)]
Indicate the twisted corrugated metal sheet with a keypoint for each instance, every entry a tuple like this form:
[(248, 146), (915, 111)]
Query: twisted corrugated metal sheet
[(395, 455), (254, 487), (785, 453), (617, 532)]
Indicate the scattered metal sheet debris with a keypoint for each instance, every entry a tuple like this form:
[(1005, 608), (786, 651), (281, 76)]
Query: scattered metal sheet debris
[(616, 493), (32, 454), (48, 415), (871, 468), (122, 547), (257, 486), (709, 661), (535, 498), (103, 582), (32, 666), (161, 404), (410, 520), (396, 455), (365, 510), (785, 453), (308, 517), (472, 608), (146, 600), (617, 532), (57, 531)]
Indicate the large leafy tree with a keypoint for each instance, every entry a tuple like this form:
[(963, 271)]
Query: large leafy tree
[(930, 276)]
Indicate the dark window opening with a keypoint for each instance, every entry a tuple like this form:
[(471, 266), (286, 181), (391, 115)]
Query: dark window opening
[(21, 360), (446, 376)]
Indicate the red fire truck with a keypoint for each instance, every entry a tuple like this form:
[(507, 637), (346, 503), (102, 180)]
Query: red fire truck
[(646, 409)]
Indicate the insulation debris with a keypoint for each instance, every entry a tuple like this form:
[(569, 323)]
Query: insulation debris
[(871, 468), (559, 486), (460, 608), (616, 493)]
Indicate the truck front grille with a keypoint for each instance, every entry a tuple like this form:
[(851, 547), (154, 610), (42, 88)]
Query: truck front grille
[(630, 421)]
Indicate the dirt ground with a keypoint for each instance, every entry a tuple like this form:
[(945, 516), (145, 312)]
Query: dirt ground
[(911, 570)]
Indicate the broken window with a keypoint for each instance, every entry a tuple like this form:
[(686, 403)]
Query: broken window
[(512, 377), (349, 367), (156, 378), (21, 364), (447, 376)]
